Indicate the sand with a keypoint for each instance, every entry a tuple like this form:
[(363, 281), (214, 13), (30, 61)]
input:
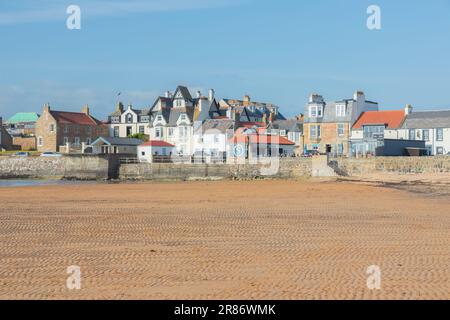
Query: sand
[(223, 240)]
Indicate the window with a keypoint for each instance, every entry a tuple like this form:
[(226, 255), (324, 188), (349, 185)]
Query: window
[(340, 129), (141, 129), (129, 131), (116, 132), (426, 135), (178, 103), (129, 118), (40, 142), (314, 131), (283, 133), (183, 132), (52, 128), (88, 141), (216, 138), (340, 110), (66, 129), (439, 134), (159, 118), (66, 140), (170, 132), (89, 130), (439, 150), (77, 140), (158, 132), (373, 132), (143, 153), (77, 129), (412, 134), (115, 119), (315, 111), (183, 117)]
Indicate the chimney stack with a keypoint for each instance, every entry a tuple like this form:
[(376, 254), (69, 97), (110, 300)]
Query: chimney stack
[(246, 100), (46, 107), (408, 109), (199, 94), (211, 94), (168, 94), (85, 109)]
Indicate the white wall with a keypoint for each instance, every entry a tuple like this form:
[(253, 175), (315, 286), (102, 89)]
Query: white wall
[(432, 144)]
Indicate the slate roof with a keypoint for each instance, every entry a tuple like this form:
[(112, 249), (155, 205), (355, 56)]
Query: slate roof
[(291, 125), (221, 125), (427, 119), (120, 141)]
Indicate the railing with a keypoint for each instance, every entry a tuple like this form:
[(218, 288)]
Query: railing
[(128, 160)]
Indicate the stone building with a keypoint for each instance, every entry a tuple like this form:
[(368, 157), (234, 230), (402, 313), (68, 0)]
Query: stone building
[(5, 138), (329, 123), (56, 129)]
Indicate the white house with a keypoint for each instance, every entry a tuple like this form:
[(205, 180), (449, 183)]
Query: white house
[(212, 138), (129, 121), (113, 145), (175, 116), (433, 127), (147, 151)]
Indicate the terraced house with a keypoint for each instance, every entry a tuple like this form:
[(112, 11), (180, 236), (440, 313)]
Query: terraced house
[(329, 123), (250, 111), (56, 129), (433, 127)]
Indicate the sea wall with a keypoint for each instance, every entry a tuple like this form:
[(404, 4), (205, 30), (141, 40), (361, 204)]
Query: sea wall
[(65, 167), (399, 165), (279, 169)]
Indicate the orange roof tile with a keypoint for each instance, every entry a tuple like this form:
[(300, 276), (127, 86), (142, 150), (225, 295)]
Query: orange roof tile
[(391, 119)]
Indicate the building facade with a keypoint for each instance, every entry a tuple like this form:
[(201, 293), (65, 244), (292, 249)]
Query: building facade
[(176, 116), (329, 123), (5, 139), (433, 127), (130, 121), (56, 129)]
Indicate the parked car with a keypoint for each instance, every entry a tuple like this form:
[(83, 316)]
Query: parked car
[(21, 154), (310, 153), (51, 154)]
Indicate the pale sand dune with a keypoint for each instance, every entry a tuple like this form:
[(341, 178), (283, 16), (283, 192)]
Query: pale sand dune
[(223, 240)]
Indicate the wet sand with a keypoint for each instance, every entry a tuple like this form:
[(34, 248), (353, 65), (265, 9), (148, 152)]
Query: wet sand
[(223, 240)]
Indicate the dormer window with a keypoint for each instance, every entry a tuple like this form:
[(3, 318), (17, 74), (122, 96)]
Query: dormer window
[(178, 103), (340, 110), (129, 118), (315, 111), (159, 118), (183, 117)]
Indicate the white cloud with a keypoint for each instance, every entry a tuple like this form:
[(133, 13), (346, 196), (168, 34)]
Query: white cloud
[(43, 11)]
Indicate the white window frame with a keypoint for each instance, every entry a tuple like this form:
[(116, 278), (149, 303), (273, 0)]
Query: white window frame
[(40, 142), (339, 127), (77, 141), (340, 110)]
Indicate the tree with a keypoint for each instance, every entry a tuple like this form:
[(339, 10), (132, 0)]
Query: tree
[(140, 136)]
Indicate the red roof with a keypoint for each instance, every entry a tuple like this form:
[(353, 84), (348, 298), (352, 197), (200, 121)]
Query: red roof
[(261, 139), (156, 143), (391, 119), (252, 124), (74, 118)]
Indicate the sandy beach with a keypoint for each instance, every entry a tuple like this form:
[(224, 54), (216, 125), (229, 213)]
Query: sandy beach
[(223, 240)]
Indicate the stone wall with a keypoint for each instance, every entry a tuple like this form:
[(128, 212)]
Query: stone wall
[(400, 165), (285, 169), (67, 167), (25, 143)]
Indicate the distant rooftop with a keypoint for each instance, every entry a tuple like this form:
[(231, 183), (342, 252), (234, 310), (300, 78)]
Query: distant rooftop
[(23, 117)]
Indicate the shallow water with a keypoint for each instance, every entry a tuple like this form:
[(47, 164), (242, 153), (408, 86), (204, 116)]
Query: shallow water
[(31, 183)]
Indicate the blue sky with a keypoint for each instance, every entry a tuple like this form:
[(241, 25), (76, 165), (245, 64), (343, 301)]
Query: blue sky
[(275, 51)]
